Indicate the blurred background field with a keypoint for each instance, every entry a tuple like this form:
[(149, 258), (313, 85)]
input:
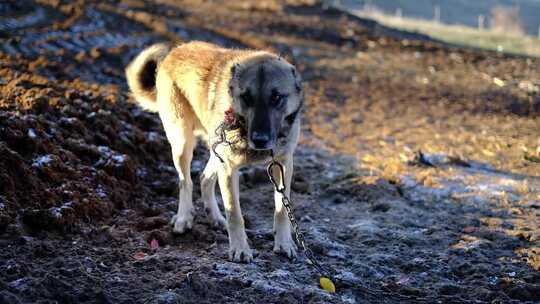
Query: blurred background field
[(505, 26)]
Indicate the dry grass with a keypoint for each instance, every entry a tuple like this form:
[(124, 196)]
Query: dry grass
[(459, 34), (523, 188)]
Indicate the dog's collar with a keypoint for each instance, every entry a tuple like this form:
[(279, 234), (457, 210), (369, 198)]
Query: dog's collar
[(233, 120)]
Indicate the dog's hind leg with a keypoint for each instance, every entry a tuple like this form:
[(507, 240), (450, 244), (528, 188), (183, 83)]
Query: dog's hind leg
[(208, 192), (178, 121), (283, 241), (239, 250), (183, 220)]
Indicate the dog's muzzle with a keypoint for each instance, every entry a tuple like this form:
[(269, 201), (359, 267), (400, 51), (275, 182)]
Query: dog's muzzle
[(260, 141)]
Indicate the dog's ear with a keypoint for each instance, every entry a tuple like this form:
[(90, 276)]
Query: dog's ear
[(234, 69)]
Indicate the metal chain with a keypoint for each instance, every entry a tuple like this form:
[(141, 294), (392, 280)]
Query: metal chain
[(310, 256)]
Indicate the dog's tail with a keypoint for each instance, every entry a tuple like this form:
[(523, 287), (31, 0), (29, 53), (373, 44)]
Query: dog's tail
[(141, 75)]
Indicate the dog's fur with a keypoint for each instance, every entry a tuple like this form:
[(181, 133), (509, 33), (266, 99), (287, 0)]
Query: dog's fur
[(194, 86)]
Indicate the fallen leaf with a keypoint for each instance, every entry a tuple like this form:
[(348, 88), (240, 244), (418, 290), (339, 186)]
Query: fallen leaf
[(403, 157), (140, 256), (488, 153), (469, 229), (499, 82), (368, 158), (154, 244), (327, 285)]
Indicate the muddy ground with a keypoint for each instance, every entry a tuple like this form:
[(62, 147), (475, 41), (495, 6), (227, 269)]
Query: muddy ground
[(87, 182)]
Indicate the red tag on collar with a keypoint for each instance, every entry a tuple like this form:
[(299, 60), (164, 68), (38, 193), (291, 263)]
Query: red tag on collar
[(230, 118)]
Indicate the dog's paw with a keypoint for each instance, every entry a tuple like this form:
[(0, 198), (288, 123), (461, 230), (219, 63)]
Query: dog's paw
[(218, 221), (240, 253), (285, 246), (182, 223)]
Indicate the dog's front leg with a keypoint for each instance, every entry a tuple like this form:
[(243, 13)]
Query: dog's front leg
[(283, 241), (239, 250)]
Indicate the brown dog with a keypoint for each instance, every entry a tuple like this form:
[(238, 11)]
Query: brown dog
[(244, 104)]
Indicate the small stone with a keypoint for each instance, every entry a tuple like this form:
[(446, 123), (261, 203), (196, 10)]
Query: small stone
[(168, 297), (95, 53), (301, 187), (338, 199), (380, 207), (153, 222), (449, 289)]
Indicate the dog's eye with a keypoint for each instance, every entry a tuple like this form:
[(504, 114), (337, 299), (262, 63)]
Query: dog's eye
[(246, 98), (277, 99)]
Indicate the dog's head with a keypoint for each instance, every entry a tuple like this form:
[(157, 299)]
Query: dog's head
[(267, 93)]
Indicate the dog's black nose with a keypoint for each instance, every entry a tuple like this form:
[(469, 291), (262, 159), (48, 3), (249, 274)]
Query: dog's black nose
[(260, 140)]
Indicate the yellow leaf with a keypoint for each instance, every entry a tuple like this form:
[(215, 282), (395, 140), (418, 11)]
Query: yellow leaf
[(403, 157), (368, 158), (488, 153), (327, 285), (499, 82)]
